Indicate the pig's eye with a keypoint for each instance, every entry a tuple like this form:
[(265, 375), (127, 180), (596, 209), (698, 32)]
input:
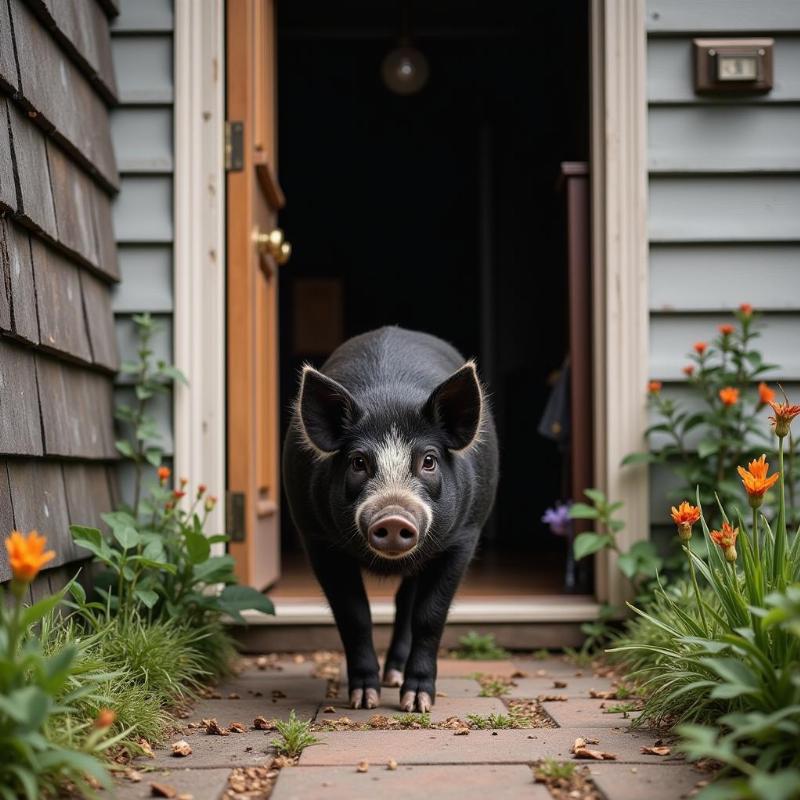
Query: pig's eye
[(429, 463), (358, 464)]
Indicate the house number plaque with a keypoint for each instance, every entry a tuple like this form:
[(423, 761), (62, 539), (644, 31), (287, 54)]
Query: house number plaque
[(732, 65)]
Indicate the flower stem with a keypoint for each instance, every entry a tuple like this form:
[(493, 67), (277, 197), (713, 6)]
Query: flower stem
[(780, 533), (697, 591)]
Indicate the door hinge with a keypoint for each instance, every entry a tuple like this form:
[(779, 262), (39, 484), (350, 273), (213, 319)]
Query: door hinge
[(234, 512), (234, 146)]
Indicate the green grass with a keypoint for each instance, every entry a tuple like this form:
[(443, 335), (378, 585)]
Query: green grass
[(493, 688), (478, 647), (412, 720), (490, 721), (542, 655), (580, 658), (549, 769), (295, 736), (621, 708)]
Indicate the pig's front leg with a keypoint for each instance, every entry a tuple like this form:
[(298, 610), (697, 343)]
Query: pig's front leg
[(397, 655), (340, 578), (435, 589)]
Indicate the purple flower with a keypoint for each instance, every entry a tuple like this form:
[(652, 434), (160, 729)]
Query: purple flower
[(558, 519)]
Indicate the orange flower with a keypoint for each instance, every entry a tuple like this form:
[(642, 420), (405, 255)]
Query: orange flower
[(726, 539), (684, 516), (178, 494), (729, 396), (26, 556), (784, 414), (755, 480), (654, 387), (105, 719), (163, 474), (700, 347), (688, 370), (746, 310), (201, 490), (726, 329), (765, 394)]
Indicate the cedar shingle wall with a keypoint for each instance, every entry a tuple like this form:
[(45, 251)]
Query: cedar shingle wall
[(58, 263)]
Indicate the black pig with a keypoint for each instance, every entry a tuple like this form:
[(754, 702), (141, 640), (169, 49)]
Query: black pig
[(391, 464)]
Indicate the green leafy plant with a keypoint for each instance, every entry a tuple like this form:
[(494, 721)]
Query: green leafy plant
[(718, 426), (157, 558), (415, 720), (723, 659), (550, 769), (42, 744), (150, 378), (490, 721), (479, 647), (493, 687), (639, 563), (295, 736)]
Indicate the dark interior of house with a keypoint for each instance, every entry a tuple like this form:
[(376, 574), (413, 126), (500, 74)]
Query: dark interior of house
[(437, 207)]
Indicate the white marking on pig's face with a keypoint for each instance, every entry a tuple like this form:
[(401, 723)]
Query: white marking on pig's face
[(394, 483)]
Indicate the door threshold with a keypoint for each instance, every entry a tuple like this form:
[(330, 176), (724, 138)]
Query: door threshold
[(467, 610)]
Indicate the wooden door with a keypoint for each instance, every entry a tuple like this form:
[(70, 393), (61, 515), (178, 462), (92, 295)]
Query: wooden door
[(255, 252)]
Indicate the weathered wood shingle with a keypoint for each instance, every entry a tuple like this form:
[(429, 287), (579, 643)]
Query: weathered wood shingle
[(58, 263)]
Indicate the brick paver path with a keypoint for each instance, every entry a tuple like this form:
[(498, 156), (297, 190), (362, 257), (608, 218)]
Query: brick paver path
[(431, 763)]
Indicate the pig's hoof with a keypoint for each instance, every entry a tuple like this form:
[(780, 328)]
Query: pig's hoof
[(368, 698), (416, 701), (393, 677)]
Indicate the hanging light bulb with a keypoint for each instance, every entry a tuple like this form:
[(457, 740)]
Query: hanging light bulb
[(405, 69)]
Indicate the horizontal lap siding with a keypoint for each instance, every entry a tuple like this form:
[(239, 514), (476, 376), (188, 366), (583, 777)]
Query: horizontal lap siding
[(724, 213), (58, 263), (142, 130)]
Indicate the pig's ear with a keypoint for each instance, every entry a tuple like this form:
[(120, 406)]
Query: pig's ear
[(456, 405), (324, 409)]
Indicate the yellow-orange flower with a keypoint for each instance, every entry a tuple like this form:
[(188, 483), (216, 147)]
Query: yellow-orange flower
[(26, 555), (745, 309), (726, 329), (784, 414), (654, 387), (700, 347), (765, 394), (729, 396), (755, 480), (726, 539), (163, 474), (105, 719), (688, 370), (684, 516)]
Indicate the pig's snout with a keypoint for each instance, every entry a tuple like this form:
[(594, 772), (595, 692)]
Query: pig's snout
[(393, 534)]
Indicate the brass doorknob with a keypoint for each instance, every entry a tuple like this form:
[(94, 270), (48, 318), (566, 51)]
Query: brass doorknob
[(273, 244)]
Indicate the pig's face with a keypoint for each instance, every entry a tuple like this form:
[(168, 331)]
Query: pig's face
[(393, 464)]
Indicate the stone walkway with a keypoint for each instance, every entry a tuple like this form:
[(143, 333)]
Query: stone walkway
[(445, 762)]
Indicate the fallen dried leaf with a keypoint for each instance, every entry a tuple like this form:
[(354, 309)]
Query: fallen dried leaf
[(277, 694), (214, 695), (132, 775), (605, 694), (519, 674), (461, 732), (552, 698), (363, 767), (181, 748), (391, 764), (147, 748), (597, 755), (656, 751), (185, 796), (162, 790), (329, 710), (236, 727), (213, 728), (234, 696), (262, 724), (559, 684)]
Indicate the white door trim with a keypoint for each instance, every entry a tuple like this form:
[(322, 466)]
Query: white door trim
[(199, 257), (619, 264)]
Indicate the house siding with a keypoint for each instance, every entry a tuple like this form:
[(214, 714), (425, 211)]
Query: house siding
[(58, 263), (724, 194), (142, 130)]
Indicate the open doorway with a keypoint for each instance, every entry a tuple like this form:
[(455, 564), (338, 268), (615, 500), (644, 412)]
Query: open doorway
[(438, 210)]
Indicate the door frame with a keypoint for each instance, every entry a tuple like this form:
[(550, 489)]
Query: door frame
[(618, 165), (619, 250), (199, 248)]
